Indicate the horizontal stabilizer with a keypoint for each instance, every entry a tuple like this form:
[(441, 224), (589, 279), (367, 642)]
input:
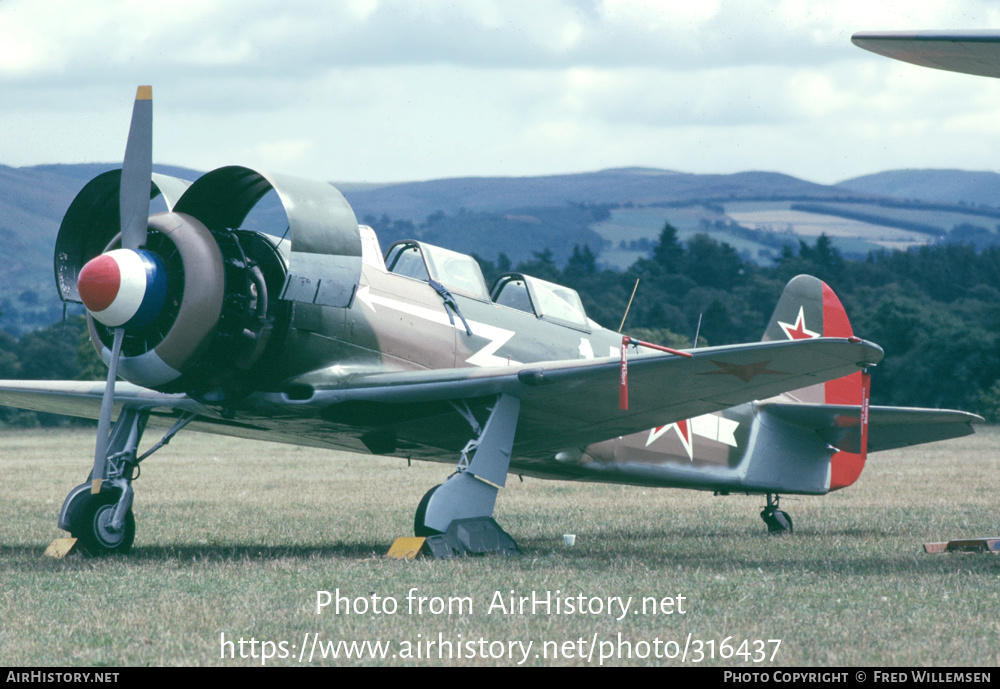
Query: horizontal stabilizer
[(888, 427)]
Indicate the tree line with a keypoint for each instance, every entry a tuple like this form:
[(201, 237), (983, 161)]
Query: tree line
[(935, 310)]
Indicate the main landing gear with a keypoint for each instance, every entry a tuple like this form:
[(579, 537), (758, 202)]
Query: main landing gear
[(98, 512), (96, 525), (456, 517), (778, 521)]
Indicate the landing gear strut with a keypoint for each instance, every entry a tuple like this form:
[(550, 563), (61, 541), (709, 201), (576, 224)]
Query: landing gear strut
[(778, 521), (98, 512), (456, 517)]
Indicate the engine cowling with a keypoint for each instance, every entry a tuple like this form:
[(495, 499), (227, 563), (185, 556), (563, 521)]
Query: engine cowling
[(209, 329), (206, 309)]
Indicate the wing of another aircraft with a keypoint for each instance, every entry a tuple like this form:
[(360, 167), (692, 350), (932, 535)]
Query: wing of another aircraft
[(968, 52), (563, 403)]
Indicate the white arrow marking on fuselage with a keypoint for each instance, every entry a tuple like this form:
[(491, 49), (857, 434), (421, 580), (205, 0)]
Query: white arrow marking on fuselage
[(364, 294), (485, 356), (498, 338)]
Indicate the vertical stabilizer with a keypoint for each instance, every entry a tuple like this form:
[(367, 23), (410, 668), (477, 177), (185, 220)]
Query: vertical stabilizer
[(808, 308)]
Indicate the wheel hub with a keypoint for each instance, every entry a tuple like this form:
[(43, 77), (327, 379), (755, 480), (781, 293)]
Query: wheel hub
[(104, 527)]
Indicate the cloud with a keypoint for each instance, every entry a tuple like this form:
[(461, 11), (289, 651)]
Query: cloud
[(396, 89), (300, 38)]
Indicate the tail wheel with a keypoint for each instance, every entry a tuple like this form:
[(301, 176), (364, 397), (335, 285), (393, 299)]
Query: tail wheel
[(778, 521), (93, 525)]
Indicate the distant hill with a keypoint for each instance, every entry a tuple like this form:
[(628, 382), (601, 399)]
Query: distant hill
[(933, 186), (415, 201), (618, 213)]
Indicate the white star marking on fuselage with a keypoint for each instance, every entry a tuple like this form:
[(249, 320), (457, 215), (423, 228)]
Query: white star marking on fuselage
[(710, 426)]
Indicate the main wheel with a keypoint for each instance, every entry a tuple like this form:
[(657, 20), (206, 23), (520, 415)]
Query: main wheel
[(419, 527), (93, 525)]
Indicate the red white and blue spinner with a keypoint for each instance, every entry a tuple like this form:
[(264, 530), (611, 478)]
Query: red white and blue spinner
[(124, 288)]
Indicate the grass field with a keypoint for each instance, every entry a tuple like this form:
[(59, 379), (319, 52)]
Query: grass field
[(236, 538)]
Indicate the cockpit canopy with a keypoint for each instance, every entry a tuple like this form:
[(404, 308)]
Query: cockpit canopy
[(461, 275), (544, 299), (458, 272)]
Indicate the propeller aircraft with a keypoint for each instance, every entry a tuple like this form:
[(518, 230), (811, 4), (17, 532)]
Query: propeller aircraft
[(314, 338)]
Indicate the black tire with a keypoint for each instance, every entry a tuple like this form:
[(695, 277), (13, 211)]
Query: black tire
[(788, 520), (419, 528), (91, 530), (778, 522)]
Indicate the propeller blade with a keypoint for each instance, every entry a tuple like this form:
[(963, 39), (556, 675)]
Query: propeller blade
[(104, 421), (137, 171)]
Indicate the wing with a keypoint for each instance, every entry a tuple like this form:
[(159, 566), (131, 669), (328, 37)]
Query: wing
[(888, 427), (83, 398), (564, 404), (968, 52), (573, 406)]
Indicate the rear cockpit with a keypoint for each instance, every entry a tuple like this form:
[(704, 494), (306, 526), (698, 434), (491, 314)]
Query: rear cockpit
[(544, 299), (461, 274)]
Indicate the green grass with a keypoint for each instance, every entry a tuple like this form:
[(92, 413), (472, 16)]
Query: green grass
[(236, 538)]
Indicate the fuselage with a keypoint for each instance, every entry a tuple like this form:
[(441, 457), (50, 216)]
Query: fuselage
[(399, 322)]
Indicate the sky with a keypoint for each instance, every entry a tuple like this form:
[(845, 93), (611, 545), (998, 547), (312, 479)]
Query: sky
[(398, 90)]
